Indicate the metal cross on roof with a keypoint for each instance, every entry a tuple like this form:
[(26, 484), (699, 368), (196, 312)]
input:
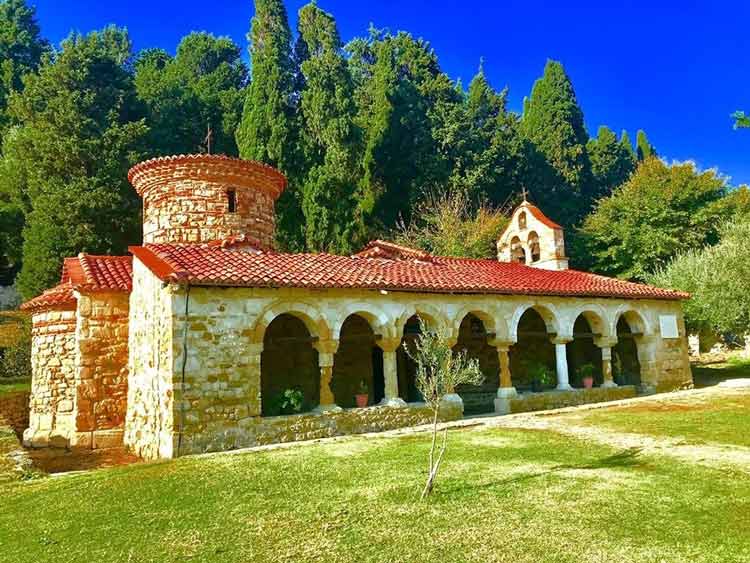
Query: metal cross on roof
[(209, 138)]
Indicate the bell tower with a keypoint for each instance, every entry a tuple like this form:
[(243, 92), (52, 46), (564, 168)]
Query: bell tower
[(532, 239)]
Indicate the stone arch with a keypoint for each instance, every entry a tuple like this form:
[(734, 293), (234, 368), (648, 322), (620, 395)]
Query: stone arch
[(309, 314), (434, 318), (535, 249), (378, 320), (490, 321), (596, 316), (517, 250), (636, 321), (549, 314), (357, 363)]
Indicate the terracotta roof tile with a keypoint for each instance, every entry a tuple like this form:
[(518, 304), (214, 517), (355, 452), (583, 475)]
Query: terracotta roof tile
[(89, 273), (213, 265)]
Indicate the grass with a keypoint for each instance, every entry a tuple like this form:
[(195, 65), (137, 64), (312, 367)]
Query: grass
[(517, 496), (710, 374), (14, 386)]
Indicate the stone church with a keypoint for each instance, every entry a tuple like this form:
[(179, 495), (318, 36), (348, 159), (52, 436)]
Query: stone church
[(197, 340)]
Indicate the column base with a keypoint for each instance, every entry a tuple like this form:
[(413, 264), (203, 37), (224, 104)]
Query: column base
[(322, 409), (609, 385), (396, 402), (502, 404), (564, 387), (506, 392)]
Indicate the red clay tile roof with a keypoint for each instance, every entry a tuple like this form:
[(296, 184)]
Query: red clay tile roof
[(541, 217), (88, 273), (216, 266)]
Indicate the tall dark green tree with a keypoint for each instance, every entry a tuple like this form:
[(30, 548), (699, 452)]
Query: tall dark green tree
[(611, 163), (560, 171), (21, 49), (627, 145), (329, 137), (400, 90), (202, 86), (65, 164), (644, 149), (481, 141), (267, 130)]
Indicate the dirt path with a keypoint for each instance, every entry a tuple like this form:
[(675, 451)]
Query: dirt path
[(710, 455)]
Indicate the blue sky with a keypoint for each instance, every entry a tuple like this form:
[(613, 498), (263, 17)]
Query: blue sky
[(675, 69)]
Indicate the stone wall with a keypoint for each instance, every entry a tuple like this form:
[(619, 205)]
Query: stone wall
[(527, 402), (102, 369), (14, 411), (53, 395), (149, 417)]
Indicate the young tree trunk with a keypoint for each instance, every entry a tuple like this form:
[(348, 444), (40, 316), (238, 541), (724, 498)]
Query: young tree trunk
[(434, 464)]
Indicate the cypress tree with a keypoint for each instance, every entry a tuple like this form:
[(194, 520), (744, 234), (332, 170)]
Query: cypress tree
[(627, 145), (560, 168), (611, 164), (644, 149), (267, 129), (328, 135)]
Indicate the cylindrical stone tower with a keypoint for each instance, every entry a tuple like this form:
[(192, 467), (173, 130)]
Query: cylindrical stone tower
[(202, 198)]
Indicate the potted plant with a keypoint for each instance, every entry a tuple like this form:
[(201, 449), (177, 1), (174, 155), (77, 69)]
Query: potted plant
[(586, 373), (540, 376), (363, 394), (290, 401)]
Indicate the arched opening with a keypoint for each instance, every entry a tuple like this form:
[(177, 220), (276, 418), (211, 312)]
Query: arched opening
[(534, 248), (583, 354), (517, 252), (357, 364), (407, 369), (626, 369), (532, 357), (288, 366), (522, 220), (472, 337)]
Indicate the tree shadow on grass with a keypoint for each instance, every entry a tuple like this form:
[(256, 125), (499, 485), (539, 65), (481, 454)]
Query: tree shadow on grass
[(628, 458)]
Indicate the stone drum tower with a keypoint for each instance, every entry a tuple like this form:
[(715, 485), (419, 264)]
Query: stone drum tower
[(203, 198)]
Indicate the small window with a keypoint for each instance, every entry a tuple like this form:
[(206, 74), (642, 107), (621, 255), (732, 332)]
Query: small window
[(232, 201), (517, 252), (522, 220), (534, 246)]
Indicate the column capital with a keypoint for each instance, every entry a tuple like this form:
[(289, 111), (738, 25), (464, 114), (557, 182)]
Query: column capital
[(501, 345), (606, 341), (561, 339), (328, 346)]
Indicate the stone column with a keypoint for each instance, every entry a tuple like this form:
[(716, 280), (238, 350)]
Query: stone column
[(326, 350), (506, 391), (390, 372), (561, 358), (255, 352), (607, 367)]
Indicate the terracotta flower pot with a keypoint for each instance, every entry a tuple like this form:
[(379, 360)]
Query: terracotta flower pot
[(362, 400), (588, 382)]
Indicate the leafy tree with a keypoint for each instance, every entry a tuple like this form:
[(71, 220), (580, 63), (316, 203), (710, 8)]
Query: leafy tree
[(560, 171), (202, 85), (481, 142), (446, 224), (659, 212), (400, 89), (644, 149), (627, 145), (21, 49), (439, 371), (267, 130), (611, 163), (329, 136), (65, 164), (742, 121), (718, 280)]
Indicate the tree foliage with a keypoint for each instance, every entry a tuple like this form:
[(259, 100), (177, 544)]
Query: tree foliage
[(329, 137), (560, 171), (65, 164), (659, 212), (611, 161), (446, 224), (644, 149), (718, 279), (201, 86), (741, 121)]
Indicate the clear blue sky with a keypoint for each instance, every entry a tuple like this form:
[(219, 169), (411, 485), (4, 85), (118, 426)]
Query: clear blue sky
[(675, 69)]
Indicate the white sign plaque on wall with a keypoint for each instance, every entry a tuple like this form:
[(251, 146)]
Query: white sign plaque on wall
[(668, 326)]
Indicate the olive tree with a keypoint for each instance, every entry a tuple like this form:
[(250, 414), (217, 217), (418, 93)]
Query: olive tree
[(439, 372)]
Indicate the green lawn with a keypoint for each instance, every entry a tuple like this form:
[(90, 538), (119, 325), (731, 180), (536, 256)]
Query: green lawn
[(505, 495), (14, 386)]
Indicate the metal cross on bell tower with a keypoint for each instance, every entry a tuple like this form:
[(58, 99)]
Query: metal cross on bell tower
[(209, 138)]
